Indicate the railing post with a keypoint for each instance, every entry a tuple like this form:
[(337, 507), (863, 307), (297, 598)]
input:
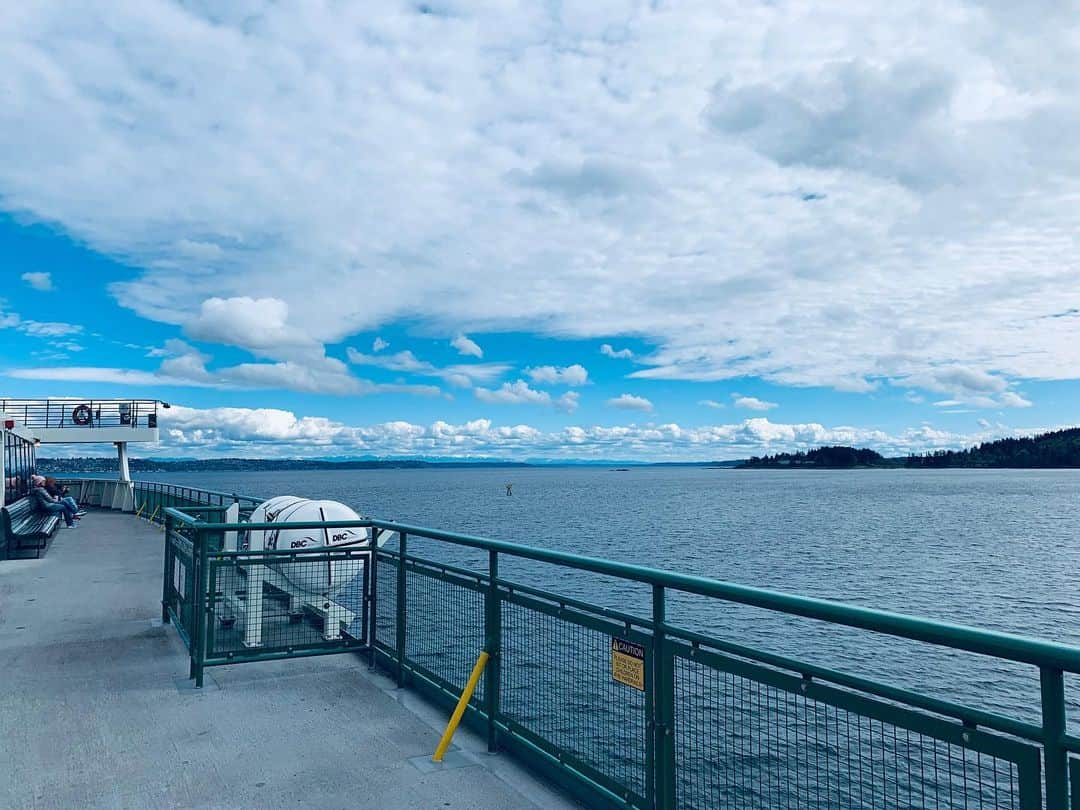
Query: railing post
[(402, 612), (198, 629), (1052, 683), (663, 708), (372, 595), (493, 646), (166, 574)]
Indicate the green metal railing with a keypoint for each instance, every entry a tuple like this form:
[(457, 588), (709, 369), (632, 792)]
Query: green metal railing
[(237, 606), (152, 498), (671, 717)]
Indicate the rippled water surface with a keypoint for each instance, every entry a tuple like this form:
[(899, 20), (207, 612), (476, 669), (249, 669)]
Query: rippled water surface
[(996, 549)]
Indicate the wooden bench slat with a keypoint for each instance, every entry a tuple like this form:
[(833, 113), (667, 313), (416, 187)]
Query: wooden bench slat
[(20, 521)]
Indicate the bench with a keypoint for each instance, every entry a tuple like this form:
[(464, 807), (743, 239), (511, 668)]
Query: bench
[(24, 529)]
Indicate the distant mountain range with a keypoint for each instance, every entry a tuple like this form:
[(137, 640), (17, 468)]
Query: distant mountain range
[(108, 464)]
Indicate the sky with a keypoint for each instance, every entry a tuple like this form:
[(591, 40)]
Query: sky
[(597, 230)]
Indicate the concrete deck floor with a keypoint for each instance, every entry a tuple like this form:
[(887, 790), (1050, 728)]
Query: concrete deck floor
[(96, 710)]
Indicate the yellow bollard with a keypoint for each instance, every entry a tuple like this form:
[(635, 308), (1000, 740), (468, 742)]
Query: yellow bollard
[(459, 710)]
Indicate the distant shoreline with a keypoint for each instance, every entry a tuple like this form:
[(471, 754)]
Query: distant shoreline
[(69, 466)]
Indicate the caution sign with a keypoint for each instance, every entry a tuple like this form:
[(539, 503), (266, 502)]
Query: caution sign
[(628, 663)]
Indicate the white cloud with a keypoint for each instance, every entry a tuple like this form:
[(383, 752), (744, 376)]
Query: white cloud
[(568, 402), (752, 403), (36, 329), (91, 374), (967, 386), (271, 432), (840, 200), (189, 370), (887, 121), (200, 251), (39, 281), (291, 376), (467, 347), (258, 324), (171, 348), (517, 393), (1011, 399), (711, 403), (461, 375), (619, 354), (185, 362), (629, 402), (379, 344), (574, 375), (49, 328)]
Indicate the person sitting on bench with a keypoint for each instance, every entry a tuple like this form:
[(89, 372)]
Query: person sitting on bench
[(44, 502), (60, 493)]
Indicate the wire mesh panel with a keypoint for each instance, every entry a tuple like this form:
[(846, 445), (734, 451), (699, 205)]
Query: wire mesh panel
[(748, 736), (444, 619), (386, 602), (557, 690), (292, 602), (178, 591)]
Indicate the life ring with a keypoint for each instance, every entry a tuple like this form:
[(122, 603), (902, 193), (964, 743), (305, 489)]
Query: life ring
[(81, 415)]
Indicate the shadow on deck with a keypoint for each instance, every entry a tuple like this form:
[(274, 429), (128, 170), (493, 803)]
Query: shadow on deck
[(96, 709)]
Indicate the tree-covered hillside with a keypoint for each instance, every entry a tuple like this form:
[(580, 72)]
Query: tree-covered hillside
[(1059, 448), (838, 456)]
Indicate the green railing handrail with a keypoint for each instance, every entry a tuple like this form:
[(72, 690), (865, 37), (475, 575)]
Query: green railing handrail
[(995, 643), (251, 499)]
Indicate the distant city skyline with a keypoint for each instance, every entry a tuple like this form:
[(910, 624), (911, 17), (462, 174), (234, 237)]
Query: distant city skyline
[(597, 231)]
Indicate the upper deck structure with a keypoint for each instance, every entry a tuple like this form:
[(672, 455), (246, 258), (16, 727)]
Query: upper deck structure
[(27, 423), (68, 421)]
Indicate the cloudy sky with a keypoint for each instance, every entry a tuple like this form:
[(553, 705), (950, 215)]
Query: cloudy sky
[(599, 229)]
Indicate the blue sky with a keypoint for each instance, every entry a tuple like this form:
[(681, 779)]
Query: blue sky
[(414, 231)]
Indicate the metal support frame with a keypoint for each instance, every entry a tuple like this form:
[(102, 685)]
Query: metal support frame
[(373, 626), (1052, 687), (202, 616), (122, 461), (166, 573), (663, 699), (402, 608), (493, 646)]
